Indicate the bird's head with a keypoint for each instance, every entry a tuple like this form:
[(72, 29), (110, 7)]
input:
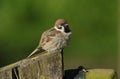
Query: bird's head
[(62, 25)]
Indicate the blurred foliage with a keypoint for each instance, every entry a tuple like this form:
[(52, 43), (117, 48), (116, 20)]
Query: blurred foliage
[(93, 23)]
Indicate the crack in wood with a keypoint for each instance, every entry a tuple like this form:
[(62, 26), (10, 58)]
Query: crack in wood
[(15, 73)]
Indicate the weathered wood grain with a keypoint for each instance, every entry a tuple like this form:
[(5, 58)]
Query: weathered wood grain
[(43, 66), (50, 66)]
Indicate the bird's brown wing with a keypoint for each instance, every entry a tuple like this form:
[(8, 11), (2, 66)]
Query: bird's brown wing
[(44, 38), (48, 36)]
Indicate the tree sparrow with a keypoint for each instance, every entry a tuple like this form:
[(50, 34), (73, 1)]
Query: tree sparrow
[(54, 39)]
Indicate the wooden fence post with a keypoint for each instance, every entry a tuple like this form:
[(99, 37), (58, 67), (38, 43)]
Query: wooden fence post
[(50, 66), (43, 66)]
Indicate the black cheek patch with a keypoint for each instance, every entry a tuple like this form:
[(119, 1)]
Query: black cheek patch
[(59, 27)]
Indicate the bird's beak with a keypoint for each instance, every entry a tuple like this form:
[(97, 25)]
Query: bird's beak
[(84, 70), (66, 28)]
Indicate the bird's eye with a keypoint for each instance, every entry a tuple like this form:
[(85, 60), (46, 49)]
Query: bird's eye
[(59, 27)]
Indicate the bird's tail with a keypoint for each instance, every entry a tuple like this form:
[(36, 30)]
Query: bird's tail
[(33, 52)]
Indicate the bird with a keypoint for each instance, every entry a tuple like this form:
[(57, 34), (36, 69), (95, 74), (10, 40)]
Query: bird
[(81, 73), (55, 38), (78, 73)]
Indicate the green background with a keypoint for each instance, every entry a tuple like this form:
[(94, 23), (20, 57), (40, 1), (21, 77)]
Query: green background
[(93, 23)]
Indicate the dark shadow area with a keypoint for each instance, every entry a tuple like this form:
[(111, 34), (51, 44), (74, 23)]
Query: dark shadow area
[(15, 73)]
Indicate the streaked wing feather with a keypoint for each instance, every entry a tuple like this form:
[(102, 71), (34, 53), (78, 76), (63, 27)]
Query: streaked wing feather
[(47, 36)]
